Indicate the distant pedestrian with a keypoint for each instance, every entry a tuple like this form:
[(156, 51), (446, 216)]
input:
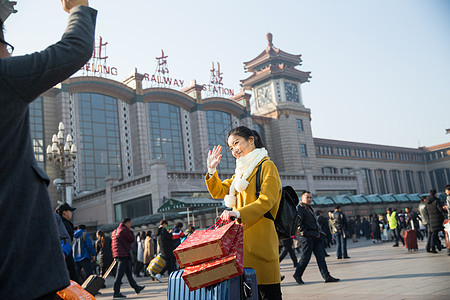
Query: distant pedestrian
[(165, 244), (149, 250), (177, 235), (310, 241), (83, 253), (140, 254), (435, 213), (412, 222), (104, 252), (287, 248), (341, 232), (66, 212), (394, 226), (375, 226), (122, 238)]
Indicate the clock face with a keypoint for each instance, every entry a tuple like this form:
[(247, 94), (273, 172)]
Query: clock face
[(291, 91), (264, 95)]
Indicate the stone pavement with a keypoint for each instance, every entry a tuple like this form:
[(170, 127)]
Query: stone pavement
[(375, 271)]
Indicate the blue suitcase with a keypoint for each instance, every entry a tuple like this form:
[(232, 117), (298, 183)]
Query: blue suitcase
[(239, 287)]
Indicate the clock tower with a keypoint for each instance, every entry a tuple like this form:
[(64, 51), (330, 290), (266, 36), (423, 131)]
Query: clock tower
[(276, 97)]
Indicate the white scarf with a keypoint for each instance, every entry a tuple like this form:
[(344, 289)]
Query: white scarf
[(244, 167)]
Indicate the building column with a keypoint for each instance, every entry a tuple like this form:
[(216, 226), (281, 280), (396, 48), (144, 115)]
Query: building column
[(109, 203), (159, 184)]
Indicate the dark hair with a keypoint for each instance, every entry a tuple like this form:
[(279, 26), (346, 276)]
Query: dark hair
[(246, 133), (149, 233), (432, 192), (179, 225), (125, 220), (447, 187), (305, 192), (164, 221), (337, 206), (101, 238), (82, 226), (2, 29)]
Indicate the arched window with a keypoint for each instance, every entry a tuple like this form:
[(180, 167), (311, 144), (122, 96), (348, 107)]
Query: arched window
[(166, 136), (219, 124), (99, 145), (37, 130)]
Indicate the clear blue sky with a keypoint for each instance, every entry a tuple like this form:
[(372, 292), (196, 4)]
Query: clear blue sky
[(380, 69)]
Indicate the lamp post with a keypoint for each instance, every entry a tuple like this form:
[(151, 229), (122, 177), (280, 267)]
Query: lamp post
[(62, 154)]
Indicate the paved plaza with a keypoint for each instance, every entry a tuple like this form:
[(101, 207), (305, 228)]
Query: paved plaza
[(374, 272)]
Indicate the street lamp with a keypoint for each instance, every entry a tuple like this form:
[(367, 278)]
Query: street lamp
[(62, 155)]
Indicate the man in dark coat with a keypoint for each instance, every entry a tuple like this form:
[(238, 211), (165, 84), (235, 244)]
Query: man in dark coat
[(65, 212), (310, 241), (165, 244), (23, 185), (341, 231), (122, 238), (435, 214)]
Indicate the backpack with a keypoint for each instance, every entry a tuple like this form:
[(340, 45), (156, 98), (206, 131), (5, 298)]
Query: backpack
[(286, 220)]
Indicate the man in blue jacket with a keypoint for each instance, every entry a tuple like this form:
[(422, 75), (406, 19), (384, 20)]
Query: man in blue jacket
[(83, 251), (32, 263)]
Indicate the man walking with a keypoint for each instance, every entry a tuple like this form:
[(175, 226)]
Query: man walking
[(435, 212), (310, 241), (425, 221), (66, 212), (340, 226), (24, 199), (165, 244), (122, 238), (393, 225)]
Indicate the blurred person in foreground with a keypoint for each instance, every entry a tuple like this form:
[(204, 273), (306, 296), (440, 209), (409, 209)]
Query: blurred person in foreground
[(23, 184)]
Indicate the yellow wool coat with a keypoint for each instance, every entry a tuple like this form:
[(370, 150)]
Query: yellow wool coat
[(260, 236)]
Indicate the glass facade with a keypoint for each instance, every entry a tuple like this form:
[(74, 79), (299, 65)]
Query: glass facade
[(441, 180), (134, 208), (99, 145), (367, 180), (219, 124), (422, 181), (409, 182), (381, 181), (396, 182), (37, 130), (166, 136)]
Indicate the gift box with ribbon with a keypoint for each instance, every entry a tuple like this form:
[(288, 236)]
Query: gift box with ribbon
[(206, 245), (219, 269)]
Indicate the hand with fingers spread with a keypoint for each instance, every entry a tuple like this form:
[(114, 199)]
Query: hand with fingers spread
[(214, 158)]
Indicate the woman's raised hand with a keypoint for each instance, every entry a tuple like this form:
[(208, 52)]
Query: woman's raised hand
[(214, 157)]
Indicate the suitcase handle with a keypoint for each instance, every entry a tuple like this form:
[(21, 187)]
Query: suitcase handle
[(109, 269), (247, 290)]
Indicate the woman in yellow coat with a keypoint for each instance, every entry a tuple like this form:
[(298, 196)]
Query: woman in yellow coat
[(239, 192)]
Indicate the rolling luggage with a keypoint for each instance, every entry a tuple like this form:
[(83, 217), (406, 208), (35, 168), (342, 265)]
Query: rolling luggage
[(239, 287), (94, 282), (411, 239)]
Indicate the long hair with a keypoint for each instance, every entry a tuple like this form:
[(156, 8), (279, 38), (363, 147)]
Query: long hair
[(246, 133), (101, 238)]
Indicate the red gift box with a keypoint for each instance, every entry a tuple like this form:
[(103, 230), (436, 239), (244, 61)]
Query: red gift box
[(206, 245), (217, 270)]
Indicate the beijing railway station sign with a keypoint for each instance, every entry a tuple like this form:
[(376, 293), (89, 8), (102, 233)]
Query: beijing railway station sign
[(97, 64)]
